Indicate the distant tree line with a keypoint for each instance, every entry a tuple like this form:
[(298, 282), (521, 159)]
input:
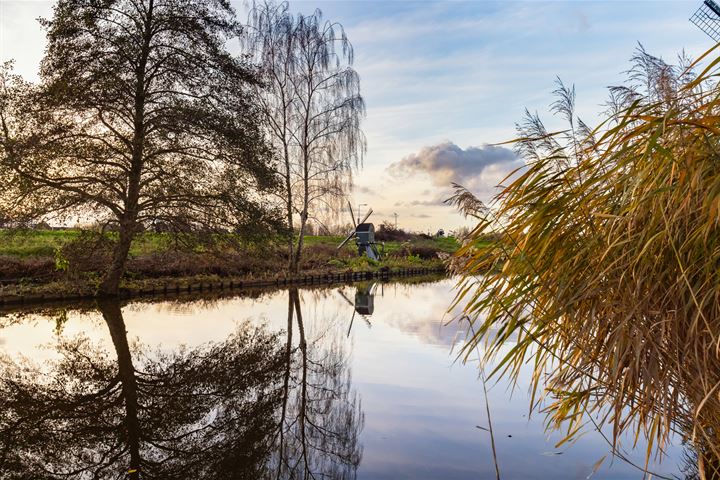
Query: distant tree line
[(143, 117)]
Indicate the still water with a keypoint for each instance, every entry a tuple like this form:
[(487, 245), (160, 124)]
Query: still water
[(359, 381)]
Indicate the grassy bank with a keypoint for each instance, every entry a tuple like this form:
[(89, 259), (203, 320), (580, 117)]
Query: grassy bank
[(67, 260)]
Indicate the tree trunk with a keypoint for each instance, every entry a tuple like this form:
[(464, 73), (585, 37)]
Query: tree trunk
[(126, 371), (292, 261), (306, 204), (292, 264), (110, 285), (300, 242)]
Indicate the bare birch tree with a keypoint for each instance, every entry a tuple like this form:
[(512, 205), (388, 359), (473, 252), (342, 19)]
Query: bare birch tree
[(312, 108)]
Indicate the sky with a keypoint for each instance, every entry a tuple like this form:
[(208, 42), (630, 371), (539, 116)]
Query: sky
[(445, 82)]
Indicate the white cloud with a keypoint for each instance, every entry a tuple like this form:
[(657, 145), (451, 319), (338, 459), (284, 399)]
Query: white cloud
[(478, 168)]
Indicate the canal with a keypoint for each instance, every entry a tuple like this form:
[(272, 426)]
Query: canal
[(363, 381)]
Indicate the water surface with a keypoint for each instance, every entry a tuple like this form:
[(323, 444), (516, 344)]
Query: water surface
[(359, 381)]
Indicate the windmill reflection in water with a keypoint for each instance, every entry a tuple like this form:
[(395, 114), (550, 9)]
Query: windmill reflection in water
[(364, 303)]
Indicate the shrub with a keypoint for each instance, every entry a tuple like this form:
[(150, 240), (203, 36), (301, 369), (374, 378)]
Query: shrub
[(13, 268), (89, 251), (425, 252), (388, 233)]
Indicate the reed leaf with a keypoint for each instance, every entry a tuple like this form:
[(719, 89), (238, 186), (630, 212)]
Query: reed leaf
[(607, 267)]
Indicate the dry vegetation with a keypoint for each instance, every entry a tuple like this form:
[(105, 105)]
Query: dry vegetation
[(607, 264), (34, 257)]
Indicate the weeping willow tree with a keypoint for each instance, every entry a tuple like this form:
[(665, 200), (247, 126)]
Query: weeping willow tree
[(607, 263), (312, 110)]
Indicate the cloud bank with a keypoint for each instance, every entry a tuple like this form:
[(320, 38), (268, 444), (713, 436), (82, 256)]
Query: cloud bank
[(479, 169)]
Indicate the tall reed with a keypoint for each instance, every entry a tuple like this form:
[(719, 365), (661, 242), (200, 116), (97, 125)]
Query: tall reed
[(607, 263)]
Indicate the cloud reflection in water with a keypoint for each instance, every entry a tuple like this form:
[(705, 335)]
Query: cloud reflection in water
[(388, 401)]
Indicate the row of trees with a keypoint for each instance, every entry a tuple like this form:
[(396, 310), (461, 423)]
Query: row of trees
[(143, 115)]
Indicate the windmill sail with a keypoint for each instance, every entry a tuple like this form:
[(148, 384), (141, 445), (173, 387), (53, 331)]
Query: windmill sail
[(707, 19), (366, 216), (354, 232), (352, 215), (347, 239)]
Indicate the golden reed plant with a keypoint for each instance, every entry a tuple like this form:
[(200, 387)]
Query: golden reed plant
[(607, 265)]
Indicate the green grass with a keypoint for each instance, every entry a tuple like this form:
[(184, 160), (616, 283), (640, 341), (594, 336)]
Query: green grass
[(446, 244), (34, 243), (43, 243)]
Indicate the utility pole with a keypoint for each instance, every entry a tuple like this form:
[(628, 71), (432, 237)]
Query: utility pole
[(359, 216), (396, 215)]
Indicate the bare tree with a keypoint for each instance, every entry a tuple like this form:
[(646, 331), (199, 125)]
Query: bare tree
[(142, 115), (312, 109), (321, 415)]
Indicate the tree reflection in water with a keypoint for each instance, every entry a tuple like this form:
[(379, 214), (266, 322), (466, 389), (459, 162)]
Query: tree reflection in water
[(250, 407), (321, 417)]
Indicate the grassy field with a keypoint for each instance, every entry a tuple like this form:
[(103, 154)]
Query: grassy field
[(33, 243), (44, 243), (41, 256)]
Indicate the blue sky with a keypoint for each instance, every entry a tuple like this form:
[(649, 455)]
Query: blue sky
[(441, 77)]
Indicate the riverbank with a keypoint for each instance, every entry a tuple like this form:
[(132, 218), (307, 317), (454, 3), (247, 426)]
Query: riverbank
[(48, 265), (19, 295)]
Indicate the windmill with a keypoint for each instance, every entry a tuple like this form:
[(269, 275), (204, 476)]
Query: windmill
[(364, 235), (707, 19), (364, 303)]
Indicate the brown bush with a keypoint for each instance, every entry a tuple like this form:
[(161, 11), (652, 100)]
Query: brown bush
[(388, 233), (90, 251), (425, 252), (182, 263), (13, 268), (317, 256)]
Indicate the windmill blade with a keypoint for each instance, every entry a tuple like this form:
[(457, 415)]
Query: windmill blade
[(707, 19), (342, 294), (347, 239), (352, 214), (351, 323), (367, 216)]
